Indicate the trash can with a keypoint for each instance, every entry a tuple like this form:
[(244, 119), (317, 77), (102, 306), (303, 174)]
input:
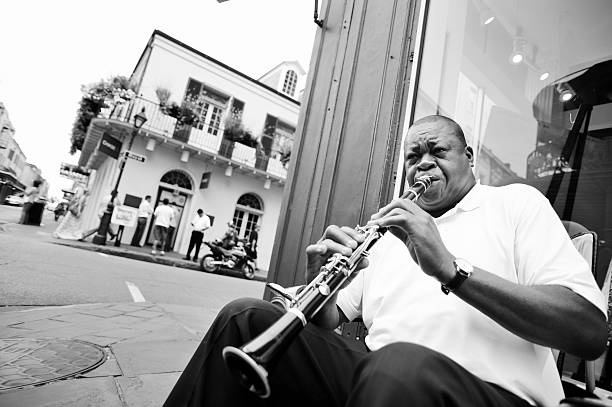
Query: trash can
[(35, 214)]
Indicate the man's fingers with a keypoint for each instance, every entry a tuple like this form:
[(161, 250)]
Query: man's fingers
[(342, 235)]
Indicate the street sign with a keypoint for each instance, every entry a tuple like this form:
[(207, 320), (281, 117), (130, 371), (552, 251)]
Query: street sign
[(134, 156), (110, 145), (124, 215), (75, 173)]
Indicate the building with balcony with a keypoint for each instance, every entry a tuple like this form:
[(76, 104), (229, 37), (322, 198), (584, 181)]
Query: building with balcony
[(214, 139), (12, 159)]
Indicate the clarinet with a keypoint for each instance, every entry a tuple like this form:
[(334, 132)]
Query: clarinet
[(251, 362)]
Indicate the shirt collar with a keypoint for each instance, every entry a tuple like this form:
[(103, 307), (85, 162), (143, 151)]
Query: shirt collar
[(469, 202)]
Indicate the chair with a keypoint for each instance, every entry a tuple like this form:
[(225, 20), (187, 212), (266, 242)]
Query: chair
[(586, 243)]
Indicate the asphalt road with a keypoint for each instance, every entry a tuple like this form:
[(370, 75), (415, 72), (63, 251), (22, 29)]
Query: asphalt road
[(35, 271)]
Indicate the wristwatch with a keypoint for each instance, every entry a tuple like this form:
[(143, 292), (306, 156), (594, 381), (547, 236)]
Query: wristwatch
[(463, 270)]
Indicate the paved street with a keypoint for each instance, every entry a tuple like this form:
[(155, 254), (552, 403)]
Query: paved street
[(146, 318)]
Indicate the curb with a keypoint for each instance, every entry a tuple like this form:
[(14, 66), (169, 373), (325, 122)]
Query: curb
[(167, 261)]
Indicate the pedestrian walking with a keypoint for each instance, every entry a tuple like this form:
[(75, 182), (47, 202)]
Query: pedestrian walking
[(70, 228), (172, 228), (144, 211), (102, 208), (30, 197), (252, 246), (164, 215), (200, 223)]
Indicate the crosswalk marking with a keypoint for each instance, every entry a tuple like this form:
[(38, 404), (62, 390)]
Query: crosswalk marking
[(136, 294)]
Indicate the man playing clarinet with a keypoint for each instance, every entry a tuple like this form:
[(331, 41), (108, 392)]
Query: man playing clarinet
[(463, 298)]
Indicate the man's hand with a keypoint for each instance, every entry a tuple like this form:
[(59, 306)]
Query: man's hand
[(417, 229), (336, 239)]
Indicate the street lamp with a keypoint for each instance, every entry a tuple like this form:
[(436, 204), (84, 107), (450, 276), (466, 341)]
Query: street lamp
[(100, 237)]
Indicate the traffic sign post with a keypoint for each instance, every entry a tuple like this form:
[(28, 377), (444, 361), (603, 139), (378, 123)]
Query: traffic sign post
[(134, 156)]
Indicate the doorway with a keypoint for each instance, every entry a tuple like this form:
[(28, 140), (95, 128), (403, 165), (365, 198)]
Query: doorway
[(175, 186), (179, 199)]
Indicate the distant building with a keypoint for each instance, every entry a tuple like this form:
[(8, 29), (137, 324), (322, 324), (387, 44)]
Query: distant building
[(15, 173), (287, 77), (214, 139)]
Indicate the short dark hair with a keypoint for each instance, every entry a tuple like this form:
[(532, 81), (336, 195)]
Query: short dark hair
[(165, 201), (200, 211), (457, 130), (148, 197)]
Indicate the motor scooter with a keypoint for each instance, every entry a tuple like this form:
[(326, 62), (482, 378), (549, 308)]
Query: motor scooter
[(235, 258)]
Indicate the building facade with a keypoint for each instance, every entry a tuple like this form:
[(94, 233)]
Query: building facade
[(214, 139)]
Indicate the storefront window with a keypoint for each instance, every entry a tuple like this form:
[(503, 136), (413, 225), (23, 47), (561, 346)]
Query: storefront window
[(518, 77)]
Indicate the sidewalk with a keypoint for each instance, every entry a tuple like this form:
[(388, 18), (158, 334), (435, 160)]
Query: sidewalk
[(144, 254), (139, 350)]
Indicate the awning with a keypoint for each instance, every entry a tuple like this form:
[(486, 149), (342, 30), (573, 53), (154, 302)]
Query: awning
[(8, 178)]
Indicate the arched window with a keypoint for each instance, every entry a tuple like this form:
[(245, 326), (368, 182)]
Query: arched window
[(249, 209), (178, 178), (290, 82)]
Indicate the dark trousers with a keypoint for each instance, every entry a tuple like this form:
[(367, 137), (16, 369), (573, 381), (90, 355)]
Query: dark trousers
[(195, 241), (321, 368), (140, 227)]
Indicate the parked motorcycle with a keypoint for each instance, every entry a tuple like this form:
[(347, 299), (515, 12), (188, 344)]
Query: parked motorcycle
[(234, 258)]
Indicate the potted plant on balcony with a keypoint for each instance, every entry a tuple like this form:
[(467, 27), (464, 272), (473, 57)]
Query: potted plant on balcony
[(163, 95), (185, 119), (113, 94)]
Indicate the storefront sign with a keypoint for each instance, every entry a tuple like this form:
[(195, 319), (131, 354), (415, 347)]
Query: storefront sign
[(110, 146), (205, 180), (124, 215), (75, 173), (134, 156)]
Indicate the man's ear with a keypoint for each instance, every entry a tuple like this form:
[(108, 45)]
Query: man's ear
[(469, 154)]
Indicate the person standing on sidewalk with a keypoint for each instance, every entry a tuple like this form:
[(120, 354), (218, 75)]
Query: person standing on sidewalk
[(31, 196), (144, 211), (200, 223), (172, 228), (164, 215)]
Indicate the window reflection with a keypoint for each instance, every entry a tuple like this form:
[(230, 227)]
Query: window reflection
[(518, 77)]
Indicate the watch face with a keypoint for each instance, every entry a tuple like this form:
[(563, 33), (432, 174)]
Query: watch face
[(464, 265)]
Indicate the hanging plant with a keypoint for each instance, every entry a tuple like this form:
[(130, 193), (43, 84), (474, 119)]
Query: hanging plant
[(100, 95), (163, 95)]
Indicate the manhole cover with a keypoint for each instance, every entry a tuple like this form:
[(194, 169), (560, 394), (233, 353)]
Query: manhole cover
[(26, 362)]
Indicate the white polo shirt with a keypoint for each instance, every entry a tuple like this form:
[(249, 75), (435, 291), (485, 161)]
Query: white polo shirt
[(164, 216), (511, 231), (200, 223), (145, 209)]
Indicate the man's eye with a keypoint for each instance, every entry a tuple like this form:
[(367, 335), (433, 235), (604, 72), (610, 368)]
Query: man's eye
[(438, 150)]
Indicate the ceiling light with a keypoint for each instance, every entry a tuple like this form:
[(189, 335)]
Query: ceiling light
[(489, 20), (566, 93), (520, 50), (544, 75), (517, 58), (486, 16)]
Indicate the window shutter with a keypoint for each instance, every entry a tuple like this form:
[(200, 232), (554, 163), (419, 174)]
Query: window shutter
[(193, 88), (269, 130), (237, 108)]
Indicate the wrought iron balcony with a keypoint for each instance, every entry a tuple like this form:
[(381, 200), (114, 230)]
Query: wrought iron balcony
[(207, 137)]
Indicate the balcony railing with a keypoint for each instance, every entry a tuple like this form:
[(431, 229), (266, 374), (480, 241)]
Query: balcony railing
[(160, 123)]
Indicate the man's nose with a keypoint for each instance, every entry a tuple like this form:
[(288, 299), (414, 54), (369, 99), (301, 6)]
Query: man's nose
[(426, 163)]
